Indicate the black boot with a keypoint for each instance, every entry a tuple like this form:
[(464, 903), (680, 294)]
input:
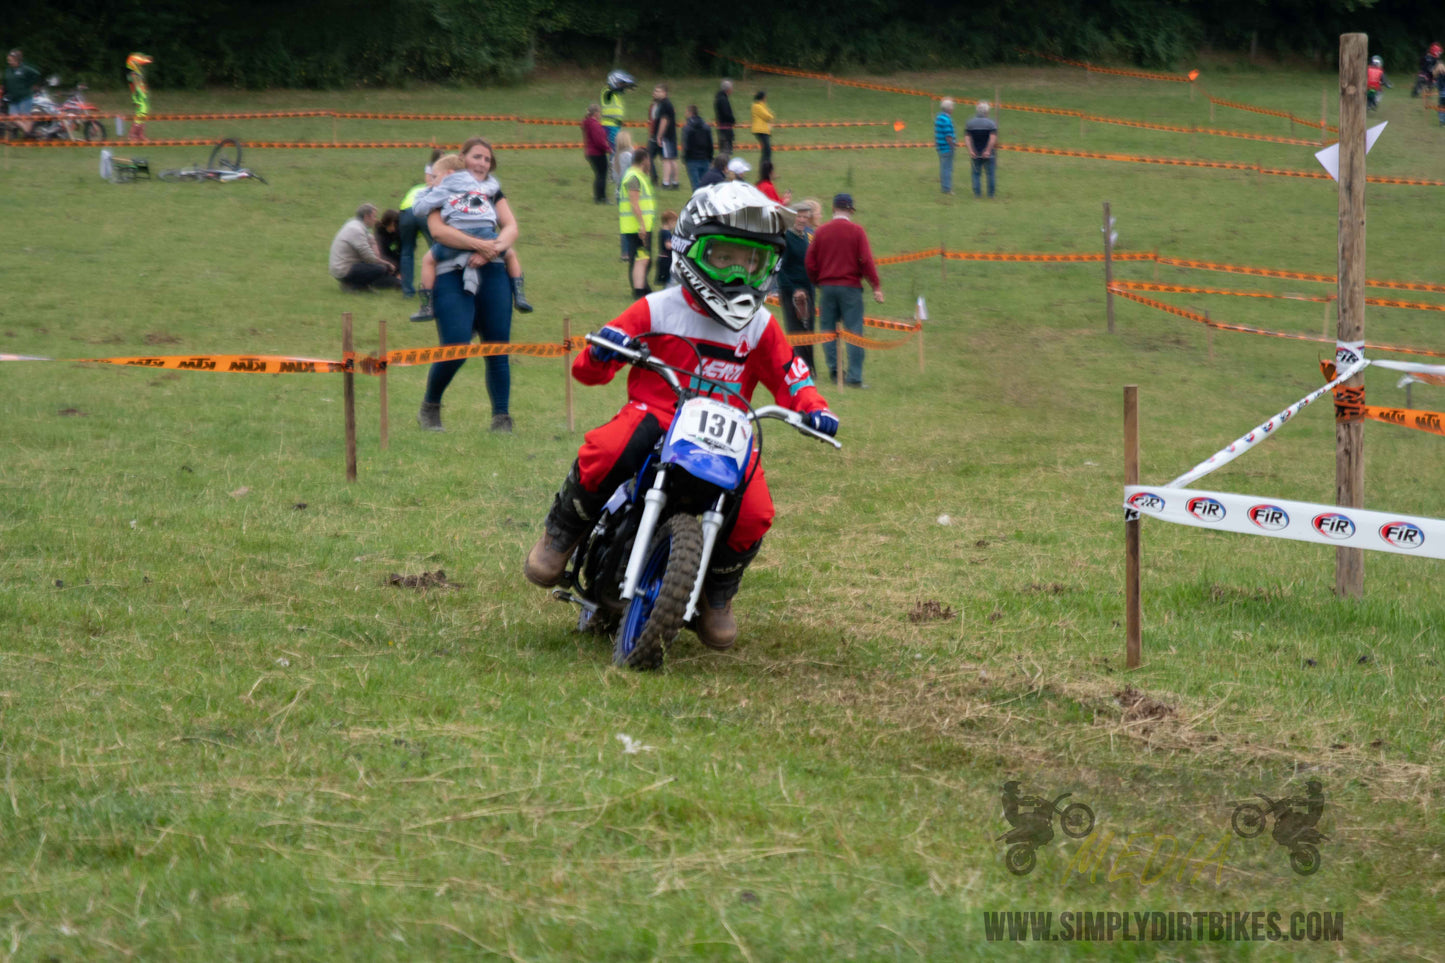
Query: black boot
[(430, 416), (716, 627), (424, 311), (574, 510), (519, 295)]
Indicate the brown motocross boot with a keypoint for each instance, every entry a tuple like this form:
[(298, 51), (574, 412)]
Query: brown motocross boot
[(716, 627), (573, 511)]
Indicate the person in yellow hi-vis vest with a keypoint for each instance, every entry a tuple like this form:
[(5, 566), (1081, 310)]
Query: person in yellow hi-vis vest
[(613, 110), (636, 213)]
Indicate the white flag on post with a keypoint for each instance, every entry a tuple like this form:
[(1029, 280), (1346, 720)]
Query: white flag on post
[(921, 312), (1329, 158)]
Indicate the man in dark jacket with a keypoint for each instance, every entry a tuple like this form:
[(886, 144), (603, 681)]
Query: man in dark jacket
[(722, 112), (696, 146)]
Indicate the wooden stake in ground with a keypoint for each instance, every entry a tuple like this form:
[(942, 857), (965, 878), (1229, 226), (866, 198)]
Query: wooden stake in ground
[(1350, 326), (567, 370), (381, 394), (1108, 266), (1133, 632), (348, 395), (841, 346)]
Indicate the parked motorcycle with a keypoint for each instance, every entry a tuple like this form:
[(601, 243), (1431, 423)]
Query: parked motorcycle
[(74, 119), (638, 574), (1250, 819), (1036, 829)]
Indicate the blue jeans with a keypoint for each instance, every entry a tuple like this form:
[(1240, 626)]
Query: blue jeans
[(982, 163), (837, 303), (487, 314), (945, 170), (695, 170), (409, 224)]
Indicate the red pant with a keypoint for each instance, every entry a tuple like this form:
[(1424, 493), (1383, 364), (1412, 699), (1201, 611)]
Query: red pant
[(612, 453)]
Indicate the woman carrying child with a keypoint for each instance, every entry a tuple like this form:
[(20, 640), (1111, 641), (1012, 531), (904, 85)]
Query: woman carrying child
[(473, 226)]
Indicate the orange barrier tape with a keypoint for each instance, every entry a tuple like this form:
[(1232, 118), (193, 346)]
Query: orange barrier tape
[(227, 363), (453, 352), (1297, 275), (871, 343), (1191, 289), (1273, 113), (1051, 258), (290, 145), (1116, 288), (469, 118), (242, 115), (903, 258), (803, 340), (912, 327), (1142, 74)]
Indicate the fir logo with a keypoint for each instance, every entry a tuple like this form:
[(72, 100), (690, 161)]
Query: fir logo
[(1146, 502), (1271, 518), (1402, 534), (1334, 525), (1206, 509)]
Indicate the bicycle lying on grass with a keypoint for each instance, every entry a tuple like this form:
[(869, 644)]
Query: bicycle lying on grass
[(224, 166)]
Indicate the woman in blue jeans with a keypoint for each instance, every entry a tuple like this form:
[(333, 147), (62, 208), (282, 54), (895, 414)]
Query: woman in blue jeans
[(487, 313)]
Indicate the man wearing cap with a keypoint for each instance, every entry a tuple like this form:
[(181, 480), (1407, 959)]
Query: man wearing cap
[(837, 262)]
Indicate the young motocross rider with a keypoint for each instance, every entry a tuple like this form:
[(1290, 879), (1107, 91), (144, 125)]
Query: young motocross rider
[(727, 245)]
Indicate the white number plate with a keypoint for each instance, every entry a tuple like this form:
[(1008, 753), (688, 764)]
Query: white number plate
[(714, 426)]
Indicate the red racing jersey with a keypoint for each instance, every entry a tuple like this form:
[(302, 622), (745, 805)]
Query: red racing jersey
[(759, 353)]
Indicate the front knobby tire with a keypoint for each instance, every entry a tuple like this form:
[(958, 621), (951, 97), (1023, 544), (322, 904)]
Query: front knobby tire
[(226, 155), (1077, 820), (655, 614), (1248, 820), (92, 130)]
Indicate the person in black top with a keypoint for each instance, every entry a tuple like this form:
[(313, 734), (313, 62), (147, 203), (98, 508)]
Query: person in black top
[(795, 291), (722, 114), (717, 173), (664, 135), (696, 146)]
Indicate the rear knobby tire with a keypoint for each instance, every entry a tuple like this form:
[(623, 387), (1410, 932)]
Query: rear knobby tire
[(92, 130), (655, 614), (226, 156)]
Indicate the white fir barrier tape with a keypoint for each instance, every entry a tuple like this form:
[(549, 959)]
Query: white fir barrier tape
[(1245, 442), (1279, 518)]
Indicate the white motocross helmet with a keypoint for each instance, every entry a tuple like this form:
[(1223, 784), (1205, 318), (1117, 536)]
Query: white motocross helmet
[(726, 248)]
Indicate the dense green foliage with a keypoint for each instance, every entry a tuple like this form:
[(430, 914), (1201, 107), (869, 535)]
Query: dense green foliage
[(389, 42)]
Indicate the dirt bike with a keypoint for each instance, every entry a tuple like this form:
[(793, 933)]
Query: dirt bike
[(1250, 819), (1036, 829), (74, 119), (638, 574)]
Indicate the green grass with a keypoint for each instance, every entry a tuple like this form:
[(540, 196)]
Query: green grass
[(224, 736)]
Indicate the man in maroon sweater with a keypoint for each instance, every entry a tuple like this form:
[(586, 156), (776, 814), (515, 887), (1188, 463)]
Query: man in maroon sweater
[(837, 262)]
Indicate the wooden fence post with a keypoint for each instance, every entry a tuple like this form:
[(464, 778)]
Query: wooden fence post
[(567, 370), (348, 395), (1133, 633), (1350, 323), (1108, 267), (381, 393)]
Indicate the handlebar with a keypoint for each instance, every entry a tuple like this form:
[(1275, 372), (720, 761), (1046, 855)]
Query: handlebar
[(642, 357)]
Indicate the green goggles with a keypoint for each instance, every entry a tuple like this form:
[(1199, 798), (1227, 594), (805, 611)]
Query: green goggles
[(729, 260)]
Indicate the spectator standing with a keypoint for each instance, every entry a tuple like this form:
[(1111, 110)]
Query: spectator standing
[(945, 143), (1439, 78), (696, 146), (20, 82), (409, 225), (636, 211), (765, 184), (717, 173), (663, 130), (763, 125), (622, 160), (795, 291), (485, 310), (354, 260), (597, 150), (982, 134), (722, 113), (665, 224), (838, 261)]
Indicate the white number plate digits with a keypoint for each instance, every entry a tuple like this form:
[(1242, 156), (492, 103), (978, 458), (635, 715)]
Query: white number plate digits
[(716, 427)]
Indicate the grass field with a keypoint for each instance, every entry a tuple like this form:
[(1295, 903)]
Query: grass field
[(226, 737)]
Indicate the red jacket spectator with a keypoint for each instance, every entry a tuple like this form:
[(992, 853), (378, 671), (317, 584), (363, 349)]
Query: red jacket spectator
[(594, 138), (840, 255)]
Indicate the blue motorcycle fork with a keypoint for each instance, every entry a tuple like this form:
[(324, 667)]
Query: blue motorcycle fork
[(712, 522), (653, 503)]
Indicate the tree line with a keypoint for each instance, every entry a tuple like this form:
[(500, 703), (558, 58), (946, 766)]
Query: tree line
[(347, 43)]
